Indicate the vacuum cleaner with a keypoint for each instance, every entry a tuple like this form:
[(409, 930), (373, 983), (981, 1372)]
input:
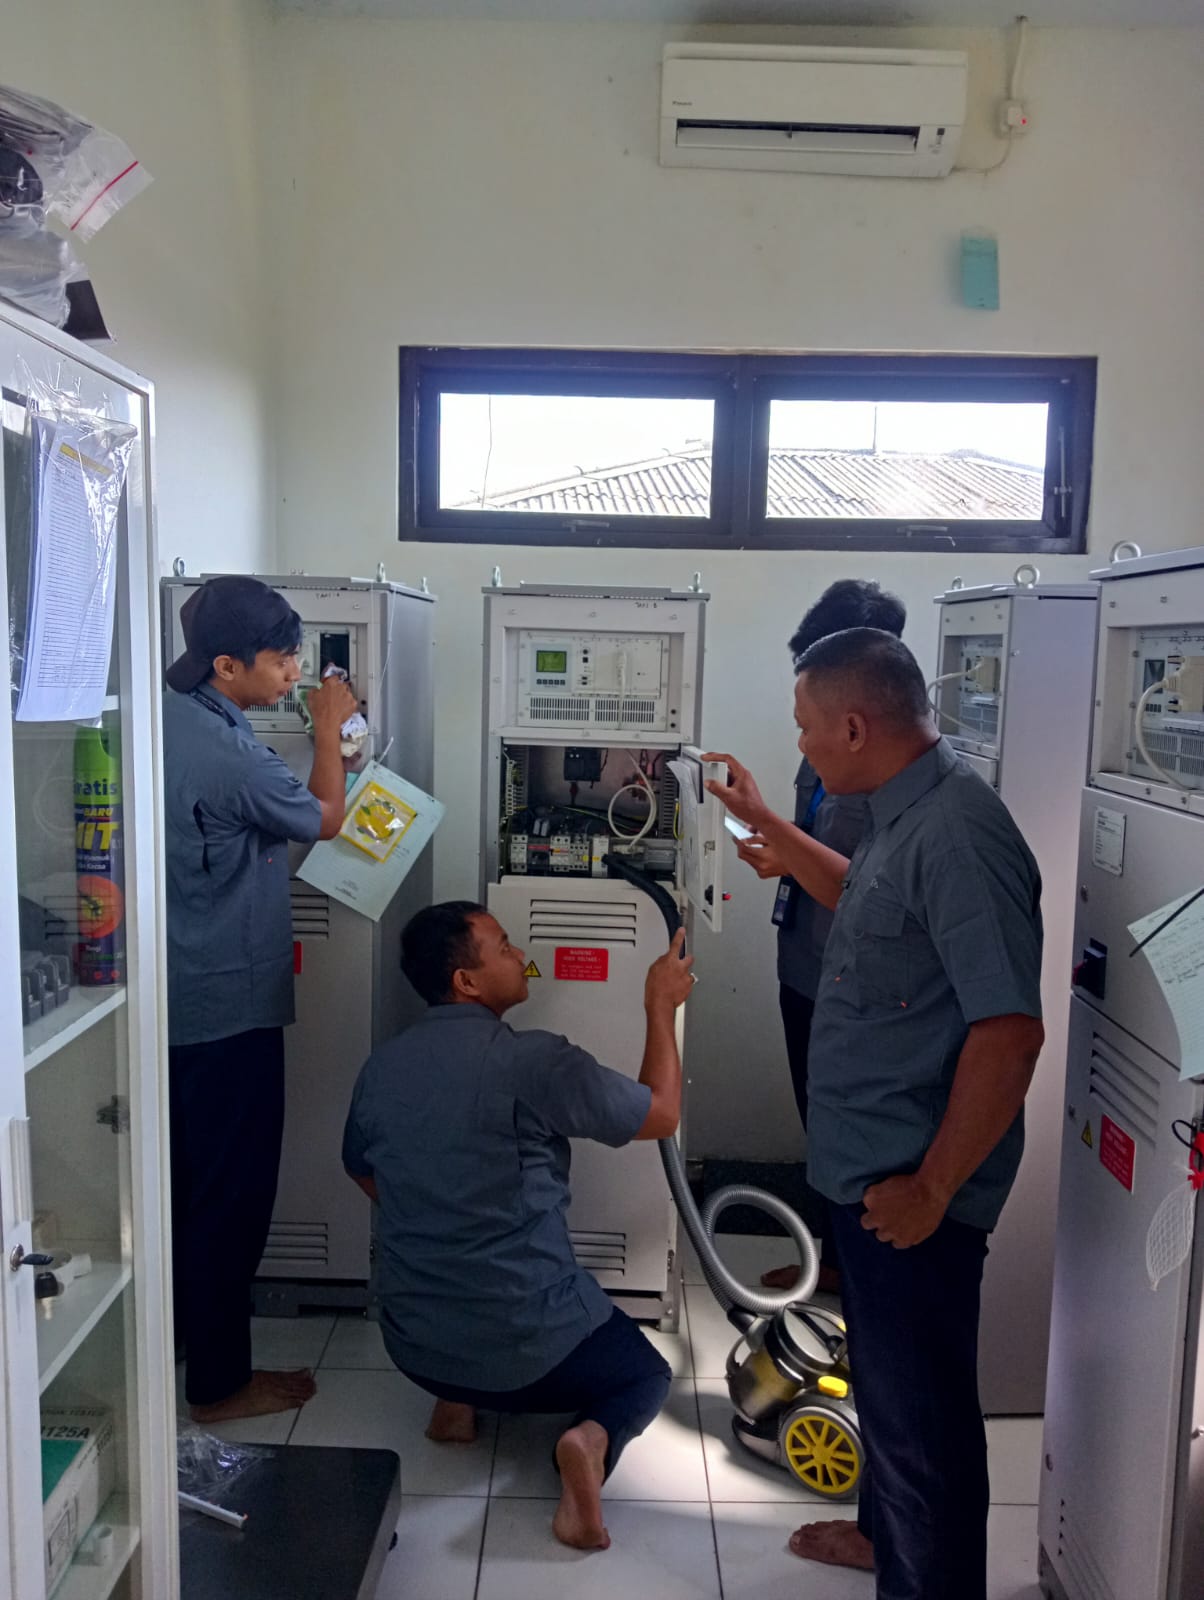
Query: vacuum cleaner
[(788, 1372)]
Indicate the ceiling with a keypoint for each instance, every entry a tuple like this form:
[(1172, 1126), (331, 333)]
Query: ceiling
[(823, 13)]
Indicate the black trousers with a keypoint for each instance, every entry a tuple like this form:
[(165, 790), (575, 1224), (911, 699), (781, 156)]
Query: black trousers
[(912, 1317), (797, 1012), (614, 1378), (227, 1121)]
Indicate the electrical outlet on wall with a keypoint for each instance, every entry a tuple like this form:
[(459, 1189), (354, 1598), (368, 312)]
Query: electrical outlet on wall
[(1013, 118)]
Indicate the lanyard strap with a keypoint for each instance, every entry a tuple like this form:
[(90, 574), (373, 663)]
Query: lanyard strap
[(202, 697), (816, 801)]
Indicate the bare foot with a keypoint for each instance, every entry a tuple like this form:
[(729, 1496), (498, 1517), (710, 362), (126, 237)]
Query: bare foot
[(300, 1381), (787, 1277), (581, 1460), (781, 1277), (452, 1423), (267, 1392), (836, 1544)]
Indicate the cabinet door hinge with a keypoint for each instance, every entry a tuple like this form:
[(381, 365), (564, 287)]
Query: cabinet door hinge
[(115, 1115)]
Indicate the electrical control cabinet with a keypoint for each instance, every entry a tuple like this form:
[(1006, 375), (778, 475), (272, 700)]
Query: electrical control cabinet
[(1013, 694), (592, 701), (1149, 724), (350, 995), (1121, 1513), (605, 682)]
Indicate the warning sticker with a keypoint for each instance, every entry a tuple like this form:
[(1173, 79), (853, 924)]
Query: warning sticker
[(1087, 1139), (531, 971), (581, 964), (1117, 1152)]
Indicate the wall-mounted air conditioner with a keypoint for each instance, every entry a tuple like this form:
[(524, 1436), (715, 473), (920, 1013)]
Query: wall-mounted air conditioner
[(786, 108)]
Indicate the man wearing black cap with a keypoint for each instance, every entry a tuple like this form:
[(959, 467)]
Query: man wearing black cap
[(231, 806)]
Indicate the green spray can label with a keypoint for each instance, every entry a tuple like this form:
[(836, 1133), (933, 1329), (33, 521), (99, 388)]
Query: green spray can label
[(99, 856)]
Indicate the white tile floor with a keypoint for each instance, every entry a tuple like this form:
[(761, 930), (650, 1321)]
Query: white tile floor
[(691, 1516)]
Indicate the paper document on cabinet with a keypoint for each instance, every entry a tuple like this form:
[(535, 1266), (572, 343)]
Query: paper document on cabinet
[(69, 629), (1175, 952)]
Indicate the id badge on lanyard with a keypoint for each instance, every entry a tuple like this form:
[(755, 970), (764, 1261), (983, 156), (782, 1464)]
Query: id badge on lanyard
[(787, 896)]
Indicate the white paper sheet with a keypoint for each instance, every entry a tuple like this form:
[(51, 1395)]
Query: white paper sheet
[(69, 632), (1176, 955), (1108, 841), (355, 876)]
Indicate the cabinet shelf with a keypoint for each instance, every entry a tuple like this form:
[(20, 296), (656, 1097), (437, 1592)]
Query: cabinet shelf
[(47, 1035), (65, 1323), (82, 1582)]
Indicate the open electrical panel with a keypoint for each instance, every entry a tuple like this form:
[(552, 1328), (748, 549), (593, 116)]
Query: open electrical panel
[(592, 707)]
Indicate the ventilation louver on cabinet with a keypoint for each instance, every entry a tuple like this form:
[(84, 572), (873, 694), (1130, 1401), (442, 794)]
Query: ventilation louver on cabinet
[(298, 1244), (598, 711), (1128, 1092), (584, 921), (311, 911), (1076, 1555), (599, 1252)]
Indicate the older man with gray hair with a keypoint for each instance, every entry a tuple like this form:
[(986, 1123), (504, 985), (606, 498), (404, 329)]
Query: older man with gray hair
[(927, 1029)]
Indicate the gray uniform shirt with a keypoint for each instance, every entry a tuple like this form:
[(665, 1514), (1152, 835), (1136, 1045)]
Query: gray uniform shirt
[(939, 926), (230, 806), (465, 1123), (841, 822)]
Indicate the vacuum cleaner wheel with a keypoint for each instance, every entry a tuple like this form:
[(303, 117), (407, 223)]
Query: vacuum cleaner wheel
[(821, 1445)]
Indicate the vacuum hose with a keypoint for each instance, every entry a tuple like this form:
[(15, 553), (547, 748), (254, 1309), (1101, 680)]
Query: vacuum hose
[(742, 1304)]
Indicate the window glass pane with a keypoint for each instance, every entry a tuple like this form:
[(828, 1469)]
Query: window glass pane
[(583, 455), (911, 460)]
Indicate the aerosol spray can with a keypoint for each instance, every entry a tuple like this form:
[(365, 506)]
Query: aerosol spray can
[(99, 866)]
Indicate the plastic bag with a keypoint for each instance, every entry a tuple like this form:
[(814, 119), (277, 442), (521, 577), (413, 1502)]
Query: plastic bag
[(35, 268), (206, 1466), (53, 163), (1169, 1240), (353, 733), (67, 472)]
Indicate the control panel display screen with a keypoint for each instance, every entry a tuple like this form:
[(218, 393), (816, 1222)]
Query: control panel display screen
[(551, 661)]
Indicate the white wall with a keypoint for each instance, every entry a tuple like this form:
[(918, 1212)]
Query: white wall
[(476, 184), (180, 273)]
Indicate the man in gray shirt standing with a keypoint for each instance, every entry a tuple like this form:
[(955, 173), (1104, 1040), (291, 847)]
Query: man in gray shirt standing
[(926, 1032), (459, 1129), (838, 821)]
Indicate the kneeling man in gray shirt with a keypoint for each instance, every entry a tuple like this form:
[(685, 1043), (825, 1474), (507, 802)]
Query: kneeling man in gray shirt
[(459, 1129)]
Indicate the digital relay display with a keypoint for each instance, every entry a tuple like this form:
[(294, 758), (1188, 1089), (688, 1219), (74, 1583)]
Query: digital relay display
[(551, 661)]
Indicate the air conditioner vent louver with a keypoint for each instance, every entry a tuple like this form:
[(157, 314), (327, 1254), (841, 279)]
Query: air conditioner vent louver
[(789, 108)]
